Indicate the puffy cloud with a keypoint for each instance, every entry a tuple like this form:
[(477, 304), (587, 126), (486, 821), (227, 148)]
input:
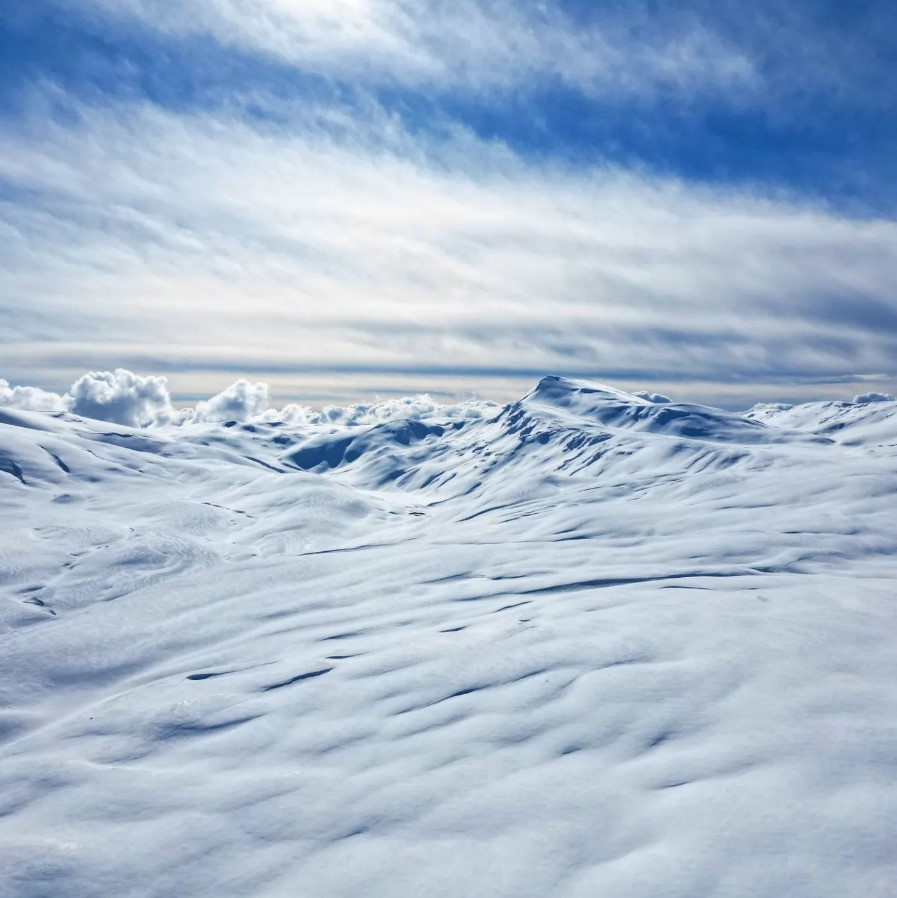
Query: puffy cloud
[(239, 402), (413, 408), (873, 397), (134, 400), (656, 398), (31, 399), (122, 397), (119, 397), (771, 407)]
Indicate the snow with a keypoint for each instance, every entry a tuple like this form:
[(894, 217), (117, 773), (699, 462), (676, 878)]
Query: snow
[(863, 422), (590, 644)]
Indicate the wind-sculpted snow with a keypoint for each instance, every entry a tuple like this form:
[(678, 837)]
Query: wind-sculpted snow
[(863, 422), (590, 644)]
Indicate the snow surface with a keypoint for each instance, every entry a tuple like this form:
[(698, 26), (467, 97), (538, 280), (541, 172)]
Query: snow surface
[(587, 645)]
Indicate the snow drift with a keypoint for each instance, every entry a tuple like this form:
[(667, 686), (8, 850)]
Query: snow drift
[(589, 644)]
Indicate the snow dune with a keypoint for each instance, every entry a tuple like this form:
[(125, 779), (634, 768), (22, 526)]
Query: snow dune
[(589, 645)]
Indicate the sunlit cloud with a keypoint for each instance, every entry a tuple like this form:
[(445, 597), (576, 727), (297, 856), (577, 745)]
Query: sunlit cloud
[(368, 232), (471, 44), (203, 239), (134, 400)]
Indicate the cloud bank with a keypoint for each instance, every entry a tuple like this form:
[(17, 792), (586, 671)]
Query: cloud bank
[(134, 400), (361, 197), (32, 399), (205, 242)]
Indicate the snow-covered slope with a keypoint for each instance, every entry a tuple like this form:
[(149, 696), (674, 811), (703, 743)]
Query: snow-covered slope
[(590, 645), (854, 423)]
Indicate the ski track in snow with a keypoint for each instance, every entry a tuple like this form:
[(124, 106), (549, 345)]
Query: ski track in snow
[(591, 646)]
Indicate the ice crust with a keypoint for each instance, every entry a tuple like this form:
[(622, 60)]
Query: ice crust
[(588, 645)]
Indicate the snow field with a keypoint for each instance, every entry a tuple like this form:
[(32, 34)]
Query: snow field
[(591, 645)]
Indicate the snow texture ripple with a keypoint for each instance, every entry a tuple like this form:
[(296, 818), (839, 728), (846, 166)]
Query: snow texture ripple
[(590, 644)]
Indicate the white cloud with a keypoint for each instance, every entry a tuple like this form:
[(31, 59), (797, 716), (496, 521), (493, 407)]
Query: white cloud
[(152, 236), (410, 408), (471, 44), (121, 397), (31, 399), (873, 397), (134, 400), (656, 398), (239, 402)]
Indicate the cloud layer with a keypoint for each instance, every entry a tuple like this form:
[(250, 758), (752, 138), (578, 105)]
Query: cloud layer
[(204, 241), (395, 196), (133, 400), (479, 45)]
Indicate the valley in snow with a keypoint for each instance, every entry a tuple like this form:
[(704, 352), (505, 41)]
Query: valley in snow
[(588, 645)]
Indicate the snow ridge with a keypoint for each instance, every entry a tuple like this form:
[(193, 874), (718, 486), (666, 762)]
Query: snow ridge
[(588, 644)]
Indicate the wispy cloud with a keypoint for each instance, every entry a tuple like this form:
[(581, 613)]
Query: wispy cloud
[(207, 241), (478, 44)]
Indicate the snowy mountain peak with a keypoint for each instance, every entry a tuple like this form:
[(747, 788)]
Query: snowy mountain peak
[(581, 403), (565, 392)]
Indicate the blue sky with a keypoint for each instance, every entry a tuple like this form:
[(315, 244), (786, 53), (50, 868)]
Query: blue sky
[(349, 197)]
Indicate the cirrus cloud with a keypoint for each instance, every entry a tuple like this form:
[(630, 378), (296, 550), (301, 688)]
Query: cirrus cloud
[(202, 242), (473, 45)]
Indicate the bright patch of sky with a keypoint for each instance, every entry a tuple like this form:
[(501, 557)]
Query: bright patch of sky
[(377, 196)]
